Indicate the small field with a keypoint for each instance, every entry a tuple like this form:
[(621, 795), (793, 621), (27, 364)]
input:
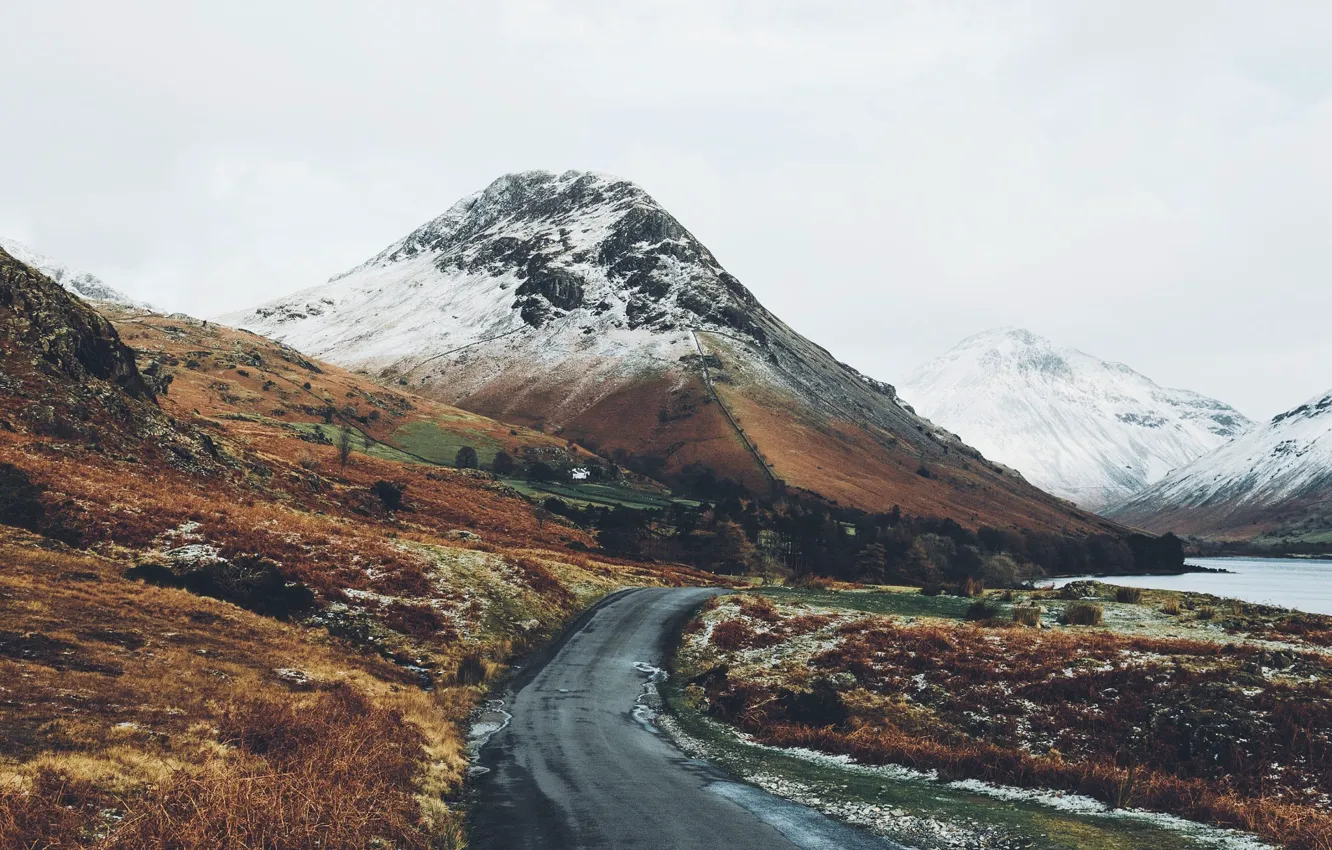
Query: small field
[(1175, 703)]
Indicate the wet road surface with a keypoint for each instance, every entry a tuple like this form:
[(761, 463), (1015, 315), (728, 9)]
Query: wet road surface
[(580, 766)]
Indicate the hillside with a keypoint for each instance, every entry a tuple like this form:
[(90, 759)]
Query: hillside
[(576, 304), (81, 283), (224, 637), (1082, 428), (1272, 485)]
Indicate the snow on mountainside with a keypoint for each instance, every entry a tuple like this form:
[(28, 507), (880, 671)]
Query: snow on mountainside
[(83, 284), (1091, 431), (1275, 478), (576, 303)]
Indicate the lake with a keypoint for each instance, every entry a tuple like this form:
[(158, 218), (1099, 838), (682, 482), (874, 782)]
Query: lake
[(1304, 585)]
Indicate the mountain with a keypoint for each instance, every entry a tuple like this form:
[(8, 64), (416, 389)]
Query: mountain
[(1088, 430), (81, 283), (575, 303), (1273, 482)]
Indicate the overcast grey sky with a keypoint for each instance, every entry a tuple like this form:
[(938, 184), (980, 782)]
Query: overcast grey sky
[(1150, 182)]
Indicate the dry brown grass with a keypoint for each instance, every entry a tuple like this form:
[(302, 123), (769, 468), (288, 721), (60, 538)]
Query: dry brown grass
[(143, 716)]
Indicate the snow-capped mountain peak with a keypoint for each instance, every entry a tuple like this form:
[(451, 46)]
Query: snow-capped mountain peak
[(532, 248), (1086, 429), (1278, 474), (83, 284)]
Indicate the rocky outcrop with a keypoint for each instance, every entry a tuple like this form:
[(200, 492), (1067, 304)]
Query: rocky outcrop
[(60, 334)]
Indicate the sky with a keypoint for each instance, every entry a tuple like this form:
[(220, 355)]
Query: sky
[(1148, 182)]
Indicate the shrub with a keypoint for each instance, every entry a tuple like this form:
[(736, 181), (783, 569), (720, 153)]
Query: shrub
[(20, 503), (810, 581), (466, 458), (1027, 615), (972, 588), (1082, 614), (981, 610), (390, 493), (1207, 612), (730, 635), (932, 588), (248, 580), (1171, 607), (308, 461), (472, 669), (415, 620), (1131, 595)]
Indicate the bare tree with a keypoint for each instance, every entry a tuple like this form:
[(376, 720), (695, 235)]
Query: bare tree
[(344, 445)]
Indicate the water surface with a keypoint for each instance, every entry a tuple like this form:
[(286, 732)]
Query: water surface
[(1305, 585)]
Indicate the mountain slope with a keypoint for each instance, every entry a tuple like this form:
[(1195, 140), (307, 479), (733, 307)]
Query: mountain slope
[(1091, 431), (576, 303), (255, 647), (81, 283), (1275, 481)]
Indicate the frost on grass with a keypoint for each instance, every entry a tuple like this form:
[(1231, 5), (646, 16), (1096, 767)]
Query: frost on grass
[(1083, 720)]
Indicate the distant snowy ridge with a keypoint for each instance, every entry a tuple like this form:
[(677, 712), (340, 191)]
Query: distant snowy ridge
[(1284, 464), (1091, 431), (83, 284)]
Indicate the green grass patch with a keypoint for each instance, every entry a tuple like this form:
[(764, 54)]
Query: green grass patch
[(427, 439), (383, 451), (901, 603)]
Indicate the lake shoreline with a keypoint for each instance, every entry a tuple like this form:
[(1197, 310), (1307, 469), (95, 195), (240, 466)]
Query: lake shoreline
[(1297, 584)]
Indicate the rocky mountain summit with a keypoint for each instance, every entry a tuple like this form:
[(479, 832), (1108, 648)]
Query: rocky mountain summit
[(83, 284), (1086, 429), (1274, 481), (578, 304)]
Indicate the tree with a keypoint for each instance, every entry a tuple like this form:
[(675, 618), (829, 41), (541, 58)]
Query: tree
[(503, 464), (344, 445), (735, 554), (466, 458), (872, 563)]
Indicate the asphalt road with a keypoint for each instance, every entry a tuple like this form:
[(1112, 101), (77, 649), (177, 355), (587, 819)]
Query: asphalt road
[(580, 766)]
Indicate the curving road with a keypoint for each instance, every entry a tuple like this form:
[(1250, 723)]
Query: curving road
[(577, 766)]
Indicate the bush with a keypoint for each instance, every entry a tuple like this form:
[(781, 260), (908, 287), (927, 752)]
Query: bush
[(390, 493), (251, 581), (466, 458), (932, 588), (20, 503), (1027, 615), (972, 588), (1131, 595), (981, 610), (472, 669), (1082, 614), (1207, 612), (1171, 607)]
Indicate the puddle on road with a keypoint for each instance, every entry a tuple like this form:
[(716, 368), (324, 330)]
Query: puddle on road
[(490, 719), (648, 704)]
